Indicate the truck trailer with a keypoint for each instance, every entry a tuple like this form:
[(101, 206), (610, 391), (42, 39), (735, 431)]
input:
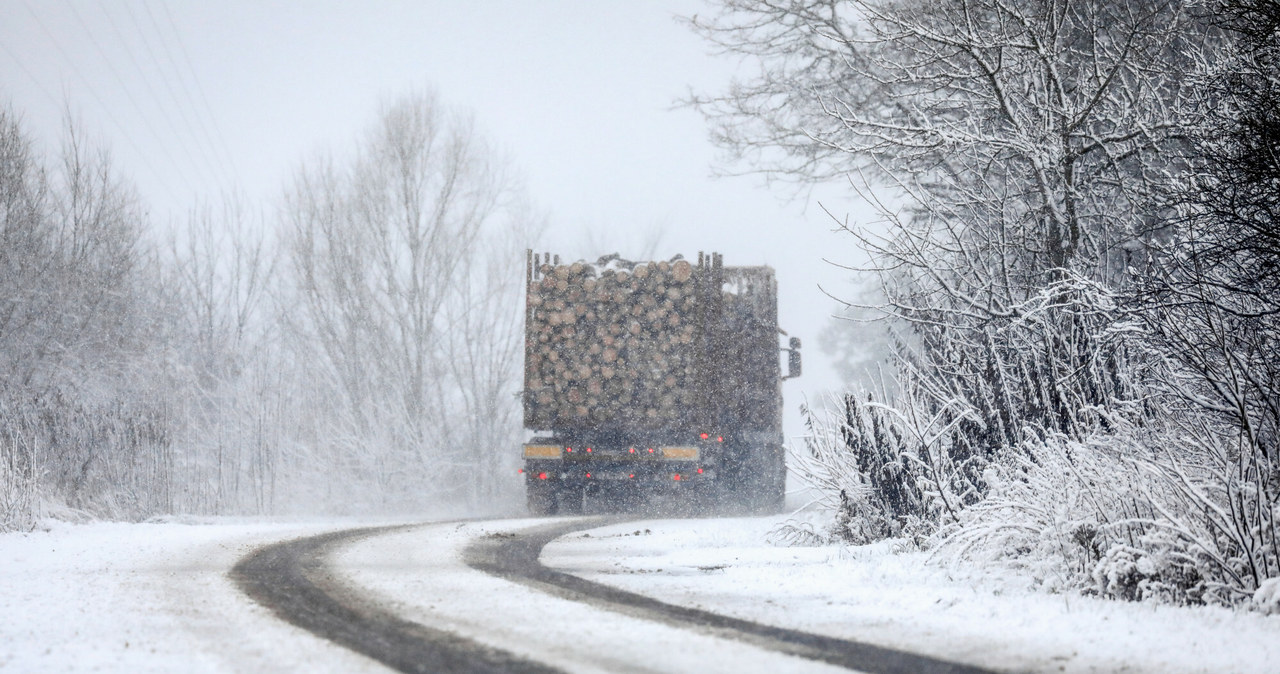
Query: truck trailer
[(653, 379)]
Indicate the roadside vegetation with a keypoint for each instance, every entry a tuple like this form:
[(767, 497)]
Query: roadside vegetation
[(1076, 259)]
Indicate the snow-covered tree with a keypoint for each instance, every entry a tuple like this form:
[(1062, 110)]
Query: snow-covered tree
[(1079, 237), (1024, 146), (1212, 301)]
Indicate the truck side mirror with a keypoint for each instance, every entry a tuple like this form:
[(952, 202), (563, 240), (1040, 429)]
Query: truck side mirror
[(793, 358)]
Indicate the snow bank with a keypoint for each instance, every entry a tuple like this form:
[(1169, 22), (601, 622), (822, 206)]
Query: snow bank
[(148, 598), (883, 594), (1267, 597)]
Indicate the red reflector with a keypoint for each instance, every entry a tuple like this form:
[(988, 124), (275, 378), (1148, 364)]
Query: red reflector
[(705, 436), (719, 438), (677, 477), (632, 475), (632, 450), (588, 450), (650, 450), (588, 474), (568, 449), (542, 476), (519, 470), (699, 471)]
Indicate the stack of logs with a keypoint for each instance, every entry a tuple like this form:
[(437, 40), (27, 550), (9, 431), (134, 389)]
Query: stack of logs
[(612, 345)]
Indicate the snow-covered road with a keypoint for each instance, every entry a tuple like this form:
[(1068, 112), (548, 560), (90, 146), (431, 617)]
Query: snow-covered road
[(420, 572), (157, 597)]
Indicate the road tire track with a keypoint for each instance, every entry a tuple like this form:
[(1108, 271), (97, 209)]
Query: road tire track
[(291, 580), (515, 557)]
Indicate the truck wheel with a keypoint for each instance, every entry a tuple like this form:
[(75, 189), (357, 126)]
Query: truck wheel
[(540, 500), (569, 500), (769, 491), (774, 497)]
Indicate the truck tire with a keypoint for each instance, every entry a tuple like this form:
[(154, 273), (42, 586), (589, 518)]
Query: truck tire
[(540, 500), (569, 500), (773, 498), (769, 484)]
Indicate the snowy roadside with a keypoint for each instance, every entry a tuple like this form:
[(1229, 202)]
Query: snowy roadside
[(155, 597), (884, 596), (149, 597)]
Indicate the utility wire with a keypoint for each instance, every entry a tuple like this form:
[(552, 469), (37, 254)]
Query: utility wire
[(106, 109), (164, 77), (129, 94), (137, 65), (34, 80), (213, 119), (182, 82)]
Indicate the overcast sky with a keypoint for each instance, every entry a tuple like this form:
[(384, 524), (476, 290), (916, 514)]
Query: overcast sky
[(197, 98)]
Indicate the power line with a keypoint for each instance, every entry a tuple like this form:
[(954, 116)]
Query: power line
[(106, 109), (129, 93), (182, 82), (200, 89), (137, 64), (34, 80), (163, 76)]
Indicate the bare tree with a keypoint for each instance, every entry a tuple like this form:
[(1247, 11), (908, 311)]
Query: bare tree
[(483, 350), (222, 270), (25, 249), (407, 315)]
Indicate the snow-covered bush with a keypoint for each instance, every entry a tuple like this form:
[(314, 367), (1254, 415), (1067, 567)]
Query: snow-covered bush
[(1044, 511), (1138, 514), (832, 466), (19, 480), (886, 471), (1267, 597)]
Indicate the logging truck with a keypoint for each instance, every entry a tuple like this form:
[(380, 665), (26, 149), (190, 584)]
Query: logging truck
[(653, 380)]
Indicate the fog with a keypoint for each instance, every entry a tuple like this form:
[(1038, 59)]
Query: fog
[(214, 113), (263, 259)]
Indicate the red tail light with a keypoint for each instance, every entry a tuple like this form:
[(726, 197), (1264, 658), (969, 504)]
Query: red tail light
[(699, 471), (632, 475), (588, 450), (519, 470), (676, 477), (568, 449), (542, 476), (650, 450), (704, 436), (588, 474), (632, 450), (719, 438)]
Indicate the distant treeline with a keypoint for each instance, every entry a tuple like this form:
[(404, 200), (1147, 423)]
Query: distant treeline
[(357, 351)]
